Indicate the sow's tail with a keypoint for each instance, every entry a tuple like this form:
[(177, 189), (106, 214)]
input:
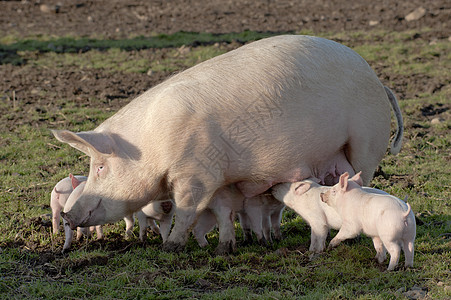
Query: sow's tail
[(397, 141)]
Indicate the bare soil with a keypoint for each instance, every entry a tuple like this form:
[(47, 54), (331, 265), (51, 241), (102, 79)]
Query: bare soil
[(122, 18)]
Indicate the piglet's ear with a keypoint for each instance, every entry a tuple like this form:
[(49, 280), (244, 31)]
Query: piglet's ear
[(75, 182), (301, 188), (343, 182), (88, 142), (357, 179)]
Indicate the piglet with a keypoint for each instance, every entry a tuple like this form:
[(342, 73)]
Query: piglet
[(258, 214), (72, 185), (304, 198), (158, 210), (58, 198), (388, 220)]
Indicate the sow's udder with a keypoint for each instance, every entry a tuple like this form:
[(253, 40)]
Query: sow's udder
[(327, 172)]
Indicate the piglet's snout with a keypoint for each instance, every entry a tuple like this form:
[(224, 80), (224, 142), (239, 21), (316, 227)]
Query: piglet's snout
[(69, 221)]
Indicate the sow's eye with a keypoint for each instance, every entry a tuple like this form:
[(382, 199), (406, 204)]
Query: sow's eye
[(100, 169)]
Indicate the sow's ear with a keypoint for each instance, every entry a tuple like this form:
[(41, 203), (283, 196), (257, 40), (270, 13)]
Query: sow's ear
[(88, 142)]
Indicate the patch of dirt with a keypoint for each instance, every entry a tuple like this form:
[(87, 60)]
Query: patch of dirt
[(117, 18), (24, 87)]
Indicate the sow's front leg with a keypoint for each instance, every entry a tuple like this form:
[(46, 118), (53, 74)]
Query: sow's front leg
[(190, 199)]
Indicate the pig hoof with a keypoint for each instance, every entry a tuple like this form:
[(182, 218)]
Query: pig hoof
[(246, 242), (225, 248), (263, 242), (277, 239), (172, 247), (314, 255)]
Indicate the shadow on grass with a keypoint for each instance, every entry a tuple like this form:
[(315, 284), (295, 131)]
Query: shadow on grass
[(9, 52)]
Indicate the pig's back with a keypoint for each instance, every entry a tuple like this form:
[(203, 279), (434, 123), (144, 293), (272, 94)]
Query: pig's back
[(265, 74), (265, 99)]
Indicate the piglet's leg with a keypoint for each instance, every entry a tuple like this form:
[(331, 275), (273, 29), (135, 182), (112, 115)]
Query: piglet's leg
[(56, 219), (165, 227), (56, 210), (394, 249), (246, 227), (276, 218), (266, 227), (225, 217), (205, 223), (142, 221), (346, 232), (82, 231), (99, 232), (319, 236), (129, 222), (408, 253), (153, 225), (381, 254), (258, 224)]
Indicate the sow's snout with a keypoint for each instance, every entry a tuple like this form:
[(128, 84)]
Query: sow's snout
[(73, 223), (69, 223)]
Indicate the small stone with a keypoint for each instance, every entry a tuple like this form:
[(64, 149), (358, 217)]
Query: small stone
[(45, 8), (282, 252), (183, 50), (440, 283), (436, 121), (149, 72), (373, 23), (415, 293), (90, 19), (35, 91), (203, 283), (416, 14)]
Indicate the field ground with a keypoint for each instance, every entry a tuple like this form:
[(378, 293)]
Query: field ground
[(74, 65)]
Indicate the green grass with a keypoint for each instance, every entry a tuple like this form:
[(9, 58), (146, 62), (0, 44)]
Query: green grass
[(32, 161), (76, 44), (12, 46), (410, 57)]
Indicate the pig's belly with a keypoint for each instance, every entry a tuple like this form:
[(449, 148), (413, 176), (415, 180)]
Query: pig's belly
[(251, 188)]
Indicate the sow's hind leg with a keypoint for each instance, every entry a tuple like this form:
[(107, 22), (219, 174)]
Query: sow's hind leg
[(369, 135)]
